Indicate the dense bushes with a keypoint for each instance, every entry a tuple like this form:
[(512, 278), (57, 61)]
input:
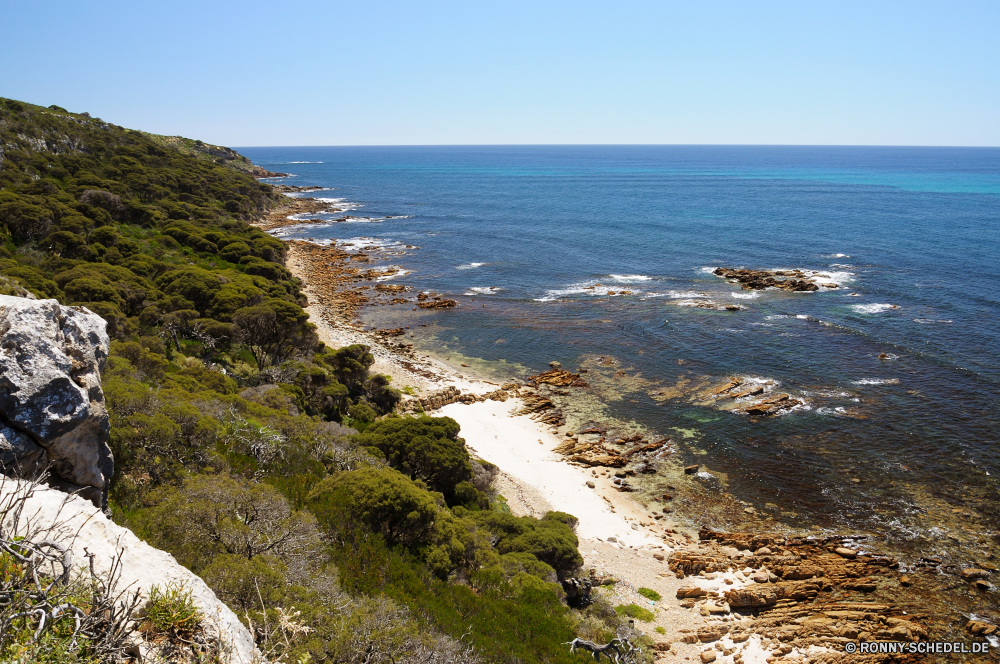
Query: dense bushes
[(380, 500), (426, 449), (236, 433)]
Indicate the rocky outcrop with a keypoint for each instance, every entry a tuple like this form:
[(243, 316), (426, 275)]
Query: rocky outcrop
[(437, 303), (52, 411), (558, 378), (761, 279), (94, 539), (452, 394), (801, 592), (773, 405)]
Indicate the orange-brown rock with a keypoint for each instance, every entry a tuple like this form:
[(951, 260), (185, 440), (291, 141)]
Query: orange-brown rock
[(559, 378), (541, 408), (752, 597), (972, 573), (644, 449), (590, 454), (395, 332), (979, 628), (816, 596), (772, 405), (437, 304)]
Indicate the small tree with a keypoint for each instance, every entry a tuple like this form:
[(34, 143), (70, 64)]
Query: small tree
[(424, 448), (378, 499), (232, 516), (272, 331)]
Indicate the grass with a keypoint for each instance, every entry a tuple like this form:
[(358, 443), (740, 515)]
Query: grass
[(172, 610), (649, 593), (635, 611)]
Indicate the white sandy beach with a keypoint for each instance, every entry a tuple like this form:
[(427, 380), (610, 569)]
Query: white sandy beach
[(619, 536), (523, 449)]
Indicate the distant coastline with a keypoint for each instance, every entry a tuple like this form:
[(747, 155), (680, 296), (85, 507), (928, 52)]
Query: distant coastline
[(634, 539)]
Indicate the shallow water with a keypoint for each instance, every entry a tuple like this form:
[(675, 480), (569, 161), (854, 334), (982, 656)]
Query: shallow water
[(530, 240)]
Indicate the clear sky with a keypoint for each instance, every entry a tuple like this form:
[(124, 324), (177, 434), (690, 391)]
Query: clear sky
[(372, 72)]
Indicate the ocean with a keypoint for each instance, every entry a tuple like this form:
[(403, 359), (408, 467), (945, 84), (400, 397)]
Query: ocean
[(601, 257)]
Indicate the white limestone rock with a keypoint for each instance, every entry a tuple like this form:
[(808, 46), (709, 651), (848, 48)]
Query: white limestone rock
[(75, 522), (52, 410)]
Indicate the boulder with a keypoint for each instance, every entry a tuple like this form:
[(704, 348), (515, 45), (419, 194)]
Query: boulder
[(979, 628), (751, 598), (691, 591), (973, 573), (52, 411)]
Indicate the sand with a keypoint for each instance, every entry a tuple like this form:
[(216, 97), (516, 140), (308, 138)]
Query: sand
[(619, 537), (523, 449)]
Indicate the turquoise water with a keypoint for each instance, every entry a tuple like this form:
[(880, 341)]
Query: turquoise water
[(911, 235)]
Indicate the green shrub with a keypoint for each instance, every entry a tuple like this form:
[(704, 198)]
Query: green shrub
[(635, 611), (381, 500), (171, 611), (247, 584), (211, 515), (649, 593), (424, 448), (548, 539), (363, 412)]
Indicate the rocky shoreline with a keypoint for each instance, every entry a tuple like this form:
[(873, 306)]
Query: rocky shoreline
[(745, 597)]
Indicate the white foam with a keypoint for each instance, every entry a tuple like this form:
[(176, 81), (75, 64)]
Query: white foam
[(469, 266), (483, 290), (360, 220), (306, 194), (929, 321), (685, 295), (629, 278), (837, 278), (751, 295), (693, 303), (399, 272), (368, 244), (873, 308), (302, 216), (305, 162), (592, 288), (876, 381), (708, 270), (777, 317)]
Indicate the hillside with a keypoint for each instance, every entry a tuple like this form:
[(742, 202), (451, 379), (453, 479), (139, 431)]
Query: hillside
[(235, 432)]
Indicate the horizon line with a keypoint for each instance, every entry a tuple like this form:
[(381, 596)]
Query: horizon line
[(485, 145)]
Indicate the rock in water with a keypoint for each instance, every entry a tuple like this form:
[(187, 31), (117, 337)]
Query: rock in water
[(52, 411)]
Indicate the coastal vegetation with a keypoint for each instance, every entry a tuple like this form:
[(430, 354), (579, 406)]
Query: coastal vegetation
[(269, 464)]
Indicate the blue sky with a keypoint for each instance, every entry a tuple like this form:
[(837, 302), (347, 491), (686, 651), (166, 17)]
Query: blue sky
[(361, 73)]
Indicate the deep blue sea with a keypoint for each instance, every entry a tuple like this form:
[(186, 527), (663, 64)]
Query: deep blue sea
[(905, 446)]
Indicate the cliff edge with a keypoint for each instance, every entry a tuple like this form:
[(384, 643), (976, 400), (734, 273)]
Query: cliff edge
[(52, 411)]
